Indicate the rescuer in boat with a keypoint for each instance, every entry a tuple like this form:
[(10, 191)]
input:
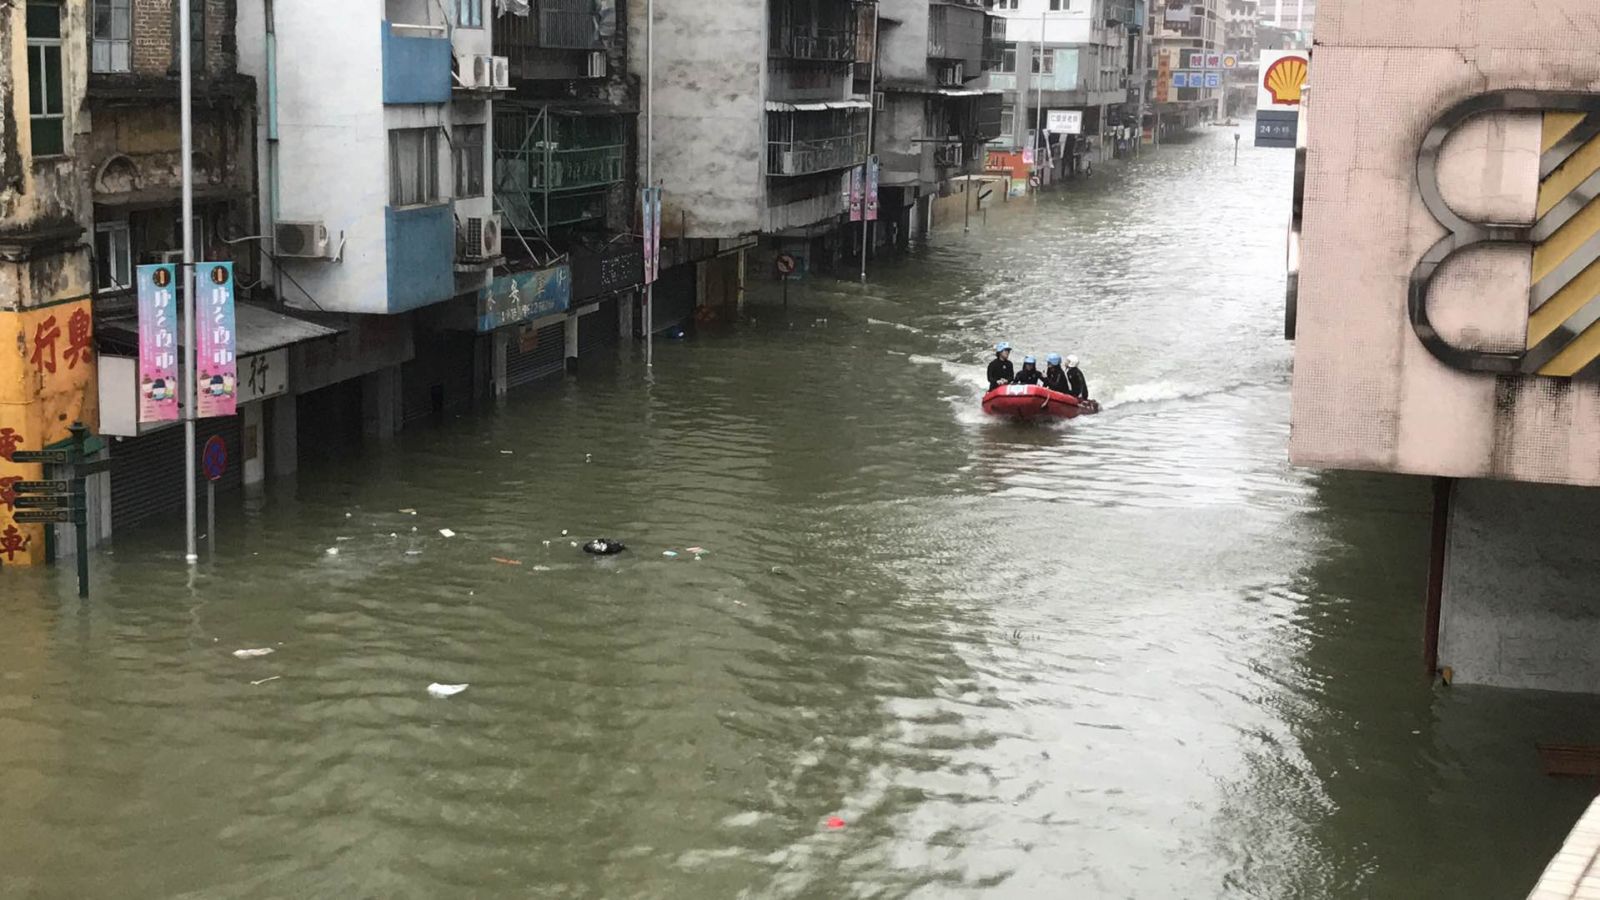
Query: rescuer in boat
[(1030, 372), (1000, 369), (1055, 378), (1077, 385)]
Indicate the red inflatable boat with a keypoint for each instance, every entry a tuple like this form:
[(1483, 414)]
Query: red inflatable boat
[(1026, 401)]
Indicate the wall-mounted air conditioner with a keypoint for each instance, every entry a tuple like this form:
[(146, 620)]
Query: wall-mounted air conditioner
[(880, 101), (301, 240), (483, 72), (597, 64), (502, 72), (480, 239), (467, 72)]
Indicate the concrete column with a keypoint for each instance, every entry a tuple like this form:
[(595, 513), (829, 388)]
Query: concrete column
[(380, 404), (572, 343), (499, 352), (283, 450), (625, 308), (1519, 607), (253, 439)]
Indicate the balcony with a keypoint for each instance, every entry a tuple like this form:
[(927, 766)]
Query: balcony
[(956, 32), (421, 244), (547, 43), (949, 156), (994, 41), (823, 31), (815, 44), (807, 143), (416, 64), (553, 169)]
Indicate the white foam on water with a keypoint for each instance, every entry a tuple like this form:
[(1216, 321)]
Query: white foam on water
[(913, 330)]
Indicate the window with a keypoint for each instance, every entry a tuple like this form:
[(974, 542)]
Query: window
[(113, 257), (469, 13), (113, 27), (1059, 5), (46, 112), (197, 37), (1008, 122), (1049, 57), (1008, 58), (469, 160), (1001, 4), (413, 166)]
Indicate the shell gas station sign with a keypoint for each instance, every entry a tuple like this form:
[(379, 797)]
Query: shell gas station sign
[(1279, 90)]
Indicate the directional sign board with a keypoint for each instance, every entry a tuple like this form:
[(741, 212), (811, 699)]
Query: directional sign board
[(48, 457), (47, 517), (42, 487), (52, 502)]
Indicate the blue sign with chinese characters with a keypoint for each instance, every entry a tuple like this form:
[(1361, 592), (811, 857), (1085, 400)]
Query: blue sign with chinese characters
[(1213, 79), (1180, 79), (524, 296)]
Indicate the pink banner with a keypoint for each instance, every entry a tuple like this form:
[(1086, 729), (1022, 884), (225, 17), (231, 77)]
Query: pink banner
[(655, 255), (857, 189), (872, 189), (158, 343), (215, 342), (647, 220)]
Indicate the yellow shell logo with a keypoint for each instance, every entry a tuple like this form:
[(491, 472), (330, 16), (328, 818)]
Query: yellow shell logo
[(1287, 79)]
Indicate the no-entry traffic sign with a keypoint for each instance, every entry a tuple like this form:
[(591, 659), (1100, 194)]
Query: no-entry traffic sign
[(215, 458), (786, 264)]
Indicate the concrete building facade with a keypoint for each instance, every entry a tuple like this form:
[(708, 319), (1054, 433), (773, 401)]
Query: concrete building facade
[(1179, 29), (1443, 319)]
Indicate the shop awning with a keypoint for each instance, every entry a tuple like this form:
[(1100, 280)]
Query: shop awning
[(779, 106), (257, 329)]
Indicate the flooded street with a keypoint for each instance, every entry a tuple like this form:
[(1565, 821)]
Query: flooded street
[(1137, 655)]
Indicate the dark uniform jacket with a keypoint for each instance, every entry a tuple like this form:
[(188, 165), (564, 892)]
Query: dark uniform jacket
[(1000, 370)]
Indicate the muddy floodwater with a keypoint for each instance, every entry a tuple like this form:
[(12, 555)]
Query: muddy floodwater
[(1137, 655)]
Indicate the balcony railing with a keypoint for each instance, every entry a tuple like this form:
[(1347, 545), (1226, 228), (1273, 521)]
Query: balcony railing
[(552, 25), (808, 157), (552, 170), (570, 25), (818, 44), (994, 41)]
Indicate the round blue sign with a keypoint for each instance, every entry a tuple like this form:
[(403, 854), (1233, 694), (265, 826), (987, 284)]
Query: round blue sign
[(215, 458)]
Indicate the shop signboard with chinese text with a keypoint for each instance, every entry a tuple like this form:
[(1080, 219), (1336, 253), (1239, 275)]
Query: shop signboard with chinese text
[(523, 297)]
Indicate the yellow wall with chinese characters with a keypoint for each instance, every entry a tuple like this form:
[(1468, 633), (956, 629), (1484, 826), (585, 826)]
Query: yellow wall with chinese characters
[(47, 382)]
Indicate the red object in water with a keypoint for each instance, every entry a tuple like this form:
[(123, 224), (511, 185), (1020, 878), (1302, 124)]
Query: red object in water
[(835, 823), (1028, 401)]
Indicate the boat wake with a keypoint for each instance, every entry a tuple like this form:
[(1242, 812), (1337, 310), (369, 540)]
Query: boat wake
[(896, 325)]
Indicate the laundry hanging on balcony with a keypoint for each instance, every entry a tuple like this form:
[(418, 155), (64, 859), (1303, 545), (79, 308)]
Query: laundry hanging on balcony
[(513, 7)]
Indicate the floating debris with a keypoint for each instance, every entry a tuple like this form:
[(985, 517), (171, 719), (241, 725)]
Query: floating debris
[(445, 532), (835, 823), (408, 512), (670, 554), (445, 690), (256, 653), (264, 681), (504, 562), (604, 547), (333, 551)]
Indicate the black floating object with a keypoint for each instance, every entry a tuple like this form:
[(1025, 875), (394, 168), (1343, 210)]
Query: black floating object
[(604, 547)]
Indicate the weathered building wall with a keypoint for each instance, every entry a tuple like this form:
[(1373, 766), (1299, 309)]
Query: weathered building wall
[(1367, 393), (155, 49), (47, 361), (710, 111)]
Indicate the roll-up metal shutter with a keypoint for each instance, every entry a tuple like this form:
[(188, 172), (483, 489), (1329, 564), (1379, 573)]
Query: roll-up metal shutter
[(674, 298), (440, 378), (541, 354), (147, 471), (598, 330)]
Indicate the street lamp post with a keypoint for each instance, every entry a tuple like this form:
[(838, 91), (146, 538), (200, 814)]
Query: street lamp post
[(190, 404)]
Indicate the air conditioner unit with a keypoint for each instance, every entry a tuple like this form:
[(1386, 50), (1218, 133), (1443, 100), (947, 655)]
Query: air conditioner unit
[(880, 101), (301, 240), (467, 72), (502, 72), (482, 238), (483, 73), (597, 64)]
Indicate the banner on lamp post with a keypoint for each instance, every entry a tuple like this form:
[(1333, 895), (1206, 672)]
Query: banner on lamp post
[(650, 221), (655, 256), (872, 188), (857, 191), (158, 343), (216, 343)]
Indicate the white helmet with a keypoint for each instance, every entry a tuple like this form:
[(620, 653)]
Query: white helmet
[(1072, 362)]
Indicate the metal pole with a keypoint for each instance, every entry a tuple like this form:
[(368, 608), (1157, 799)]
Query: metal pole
[(872, 108), (1038, 122), (185, 89), (80, 507), (649, 316), (211, 516)]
